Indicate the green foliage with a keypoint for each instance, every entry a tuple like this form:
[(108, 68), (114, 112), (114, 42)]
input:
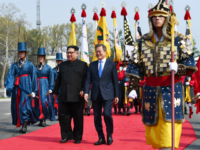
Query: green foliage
[(195, 50)]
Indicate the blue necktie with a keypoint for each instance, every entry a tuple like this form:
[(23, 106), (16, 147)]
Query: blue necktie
[(100, 69)]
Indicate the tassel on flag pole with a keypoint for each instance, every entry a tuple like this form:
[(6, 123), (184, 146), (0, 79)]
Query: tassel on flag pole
[(72, 38), (84, 43), (138, 31), (117, 43), (187, 17), (150, 6)]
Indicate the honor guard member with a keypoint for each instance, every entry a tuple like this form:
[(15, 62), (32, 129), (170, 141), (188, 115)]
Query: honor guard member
[(59, 59), (189, 93), (45, 84), (151, 58), (21, 86)]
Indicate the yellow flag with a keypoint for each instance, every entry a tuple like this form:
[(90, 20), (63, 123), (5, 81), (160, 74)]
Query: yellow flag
[(102, 35), (72, 38), (117, 43)]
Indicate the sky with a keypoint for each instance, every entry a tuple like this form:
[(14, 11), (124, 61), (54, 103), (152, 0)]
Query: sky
[(58, 11)]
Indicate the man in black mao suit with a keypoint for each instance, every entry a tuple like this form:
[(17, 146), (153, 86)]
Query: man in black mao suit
[(70, 82), (103, 76)]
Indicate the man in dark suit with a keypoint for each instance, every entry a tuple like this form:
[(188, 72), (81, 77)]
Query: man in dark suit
[(103, 76), (70, 82)]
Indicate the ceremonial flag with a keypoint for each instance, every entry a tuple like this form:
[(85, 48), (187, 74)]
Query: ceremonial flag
[(102, 34), (117, 43), (96, 19), (84, 43), (129, 42), (72, 38)]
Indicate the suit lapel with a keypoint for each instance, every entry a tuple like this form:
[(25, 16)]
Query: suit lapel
[(105, 67), (96, 68)]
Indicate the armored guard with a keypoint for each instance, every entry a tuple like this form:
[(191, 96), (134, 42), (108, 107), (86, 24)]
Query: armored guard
[(151, 58)]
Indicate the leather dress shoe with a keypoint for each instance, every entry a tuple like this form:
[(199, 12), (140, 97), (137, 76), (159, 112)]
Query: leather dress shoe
[(109, 140), (77, 141), (100, 141), (65, 140)]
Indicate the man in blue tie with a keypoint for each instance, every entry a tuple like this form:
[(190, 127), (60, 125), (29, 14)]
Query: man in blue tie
[(103, 76)]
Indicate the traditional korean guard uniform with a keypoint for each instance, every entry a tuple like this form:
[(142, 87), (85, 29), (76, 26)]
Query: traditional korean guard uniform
[(55, 71), (20, 84), (151, 58), (45, 84)]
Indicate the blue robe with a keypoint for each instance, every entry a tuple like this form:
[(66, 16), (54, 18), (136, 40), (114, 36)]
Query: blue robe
[(25, 84), (45, 82), (55, 73)]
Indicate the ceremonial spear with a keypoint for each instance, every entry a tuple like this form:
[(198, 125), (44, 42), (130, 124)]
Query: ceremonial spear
[(173, 23)]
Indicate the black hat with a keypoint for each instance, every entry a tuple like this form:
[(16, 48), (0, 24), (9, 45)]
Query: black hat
[(74, 47)]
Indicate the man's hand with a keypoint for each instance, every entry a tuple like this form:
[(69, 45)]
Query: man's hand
[(81, 93), (116, 100), (55, 96), (86, 97)]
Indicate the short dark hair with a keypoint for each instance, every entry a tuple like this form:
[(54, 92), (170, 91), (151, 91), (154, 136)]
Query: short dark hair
[(99, 45), (74, 47)]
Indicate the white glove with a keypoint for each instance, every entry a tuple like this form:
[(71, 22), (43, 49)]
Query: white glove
[(198, 95), (125, 84), (132, 94), (120, 68), (33, 94), (173, 66), (50, 91), (124, 68), (187, 83)]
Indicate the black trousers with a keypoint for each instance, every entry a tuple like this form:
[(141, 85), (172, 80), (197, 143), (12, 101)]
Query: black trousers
[(67, 111), (107, 113)]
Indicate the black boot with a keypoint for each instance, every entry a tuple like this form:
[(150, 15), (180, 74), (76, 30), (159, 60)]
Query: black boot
[(85, 112), (124, 111), (41, 122), (185, 110), (128, 111), (119, 111), (136, 110), (44, 123), (24, 127), (115, 110), (140, 109), (88, 111)]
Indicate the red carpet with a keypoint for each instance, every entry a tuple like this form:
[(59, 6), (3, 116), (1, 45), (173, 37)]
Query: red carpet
[(129, 134)]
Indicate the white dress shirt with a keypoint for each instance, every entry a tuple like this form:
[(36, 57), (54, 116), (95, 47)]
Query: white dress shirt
[(103, 63)]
